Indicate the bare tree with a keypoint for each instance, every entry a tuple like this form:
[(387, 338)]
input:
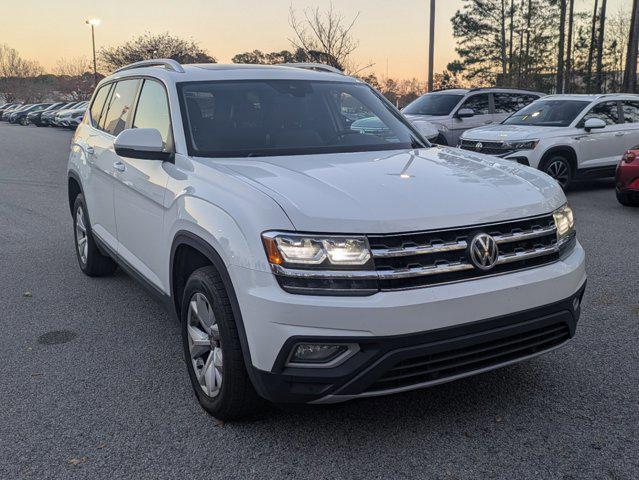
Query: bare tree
[(562, 39), (630, 71), (600, 45), (72, 67), (591, 50), (327, 36), (13, 65)]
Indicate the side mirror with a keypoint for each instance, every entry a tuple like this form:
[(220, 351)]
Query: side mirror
[(465, 113), (427, 129), (144, 143), (594, 124)]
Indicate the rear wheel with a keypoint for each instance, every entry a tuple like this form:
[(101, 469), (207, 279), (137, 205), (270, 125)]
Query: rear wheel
[(212, 349), (24, 121), (627, 199), (90, 259), (559, 168)]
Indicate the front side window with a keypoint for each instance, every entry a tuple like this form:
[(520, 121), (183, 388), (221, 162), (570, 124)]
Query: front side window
[(606, 111), (98, 104), (548, 113), (289, 117), (153, 110), (630, 111), (478, 104), (435, 104), (114, 117), (512, 102)]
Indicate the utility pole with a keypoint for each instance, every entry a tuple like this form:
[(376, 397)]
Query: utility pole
[(431, 45), (94, 22)]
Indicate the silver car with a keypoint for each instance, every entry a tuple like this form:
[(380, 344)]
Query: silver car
[(456, 110)]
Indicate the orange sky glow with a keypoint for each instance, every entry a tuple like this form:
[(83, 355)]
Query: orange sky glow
[(392, 34)]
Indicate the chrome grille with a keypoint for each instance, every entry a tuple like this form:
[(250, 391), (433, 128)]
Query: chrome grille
[(429, 258), (487, 148)]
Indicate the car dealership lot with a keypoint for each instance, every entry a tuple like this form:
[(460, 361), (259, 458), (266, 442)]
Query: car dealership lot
[(113, 399)]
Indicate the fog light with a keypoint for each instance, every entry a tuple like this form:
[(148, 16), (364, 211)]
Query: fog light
[(321, 354)]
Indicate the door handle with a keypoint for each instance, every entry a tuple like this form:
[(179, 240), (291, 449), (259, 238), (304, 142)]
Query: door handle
[(90, 151), (119, 166), (488, 122), (620, 134)]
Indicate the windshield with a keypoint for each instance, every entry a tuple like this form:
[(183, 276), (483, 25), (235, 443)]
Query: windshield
[(289, 117), (548, 113), (435, 104)]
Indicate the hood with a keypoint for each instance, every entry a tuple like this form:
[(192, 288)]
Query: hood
[(498, 133), (398, 191)]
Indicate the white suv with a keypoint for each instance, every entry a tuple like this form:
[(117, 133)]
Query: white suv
[(307, 261), (567, 136)]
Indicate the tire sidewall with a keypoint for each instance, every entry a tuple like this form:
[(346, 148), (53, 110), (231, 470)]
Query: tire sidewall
[(79, 202), (554, 158), (200, 284)]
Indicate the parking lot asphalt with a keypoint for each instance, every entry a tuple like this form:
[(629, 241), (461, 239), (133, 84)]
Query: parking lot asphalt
[(94, 385)]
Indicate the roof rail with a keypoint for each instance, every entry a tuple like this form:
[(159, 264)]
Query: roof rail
[(319, 67), (167, 63)]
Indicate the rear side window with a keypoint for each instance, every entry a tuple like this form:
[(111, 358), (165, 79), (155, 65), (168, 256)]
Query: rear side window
[(478, 103), (117, 113), (153, 110), (512, 102), (630, 111), (98, 104), (606, 111)]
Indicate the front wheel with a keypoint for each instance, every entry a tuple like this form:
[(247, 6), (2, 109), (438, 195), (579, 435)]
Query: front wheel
[(559, 168), (212, 349), (627, 200)]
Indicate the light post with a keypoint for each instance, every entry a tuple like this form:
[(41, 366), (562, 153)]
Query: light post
[(431, 45), (94, 22)]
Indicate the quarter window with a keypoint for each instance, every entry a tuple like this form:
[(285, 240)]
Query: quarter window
[(98, 104), (153, 110), (630, 111), (606, 111), (512, 102), (478, 103), (115, 118)]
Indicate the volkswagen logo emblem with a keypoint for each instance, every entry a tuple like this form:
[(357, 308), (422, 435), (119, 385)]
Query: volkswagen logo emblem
[(483, 251), (479, 146)]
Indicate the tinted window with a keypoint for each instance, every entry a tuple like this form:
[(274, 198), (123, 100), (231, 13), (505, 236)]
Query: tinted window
[(436, 104), (114, 120), (98, 103), (630, 111), (606, 111), (288, 117), (153, 110), (512, 102), (548, 113), (478, 104)]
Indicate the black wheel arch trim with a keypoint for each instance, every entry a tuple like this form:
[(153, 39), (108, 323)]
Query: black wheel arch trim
[(558, 149), (184, 237), (74, 175)]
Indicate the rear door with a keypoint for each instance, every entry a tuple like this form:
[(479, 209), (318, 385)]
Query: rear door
[(479, 103), (602, 147), (141, 189)]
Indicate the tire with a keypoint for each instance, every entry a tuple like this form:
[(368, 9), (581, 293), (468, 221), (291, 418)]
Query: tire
[(559, 168), (440, 140), (627, 199), (220, 352), (24, 122), (91, 260)]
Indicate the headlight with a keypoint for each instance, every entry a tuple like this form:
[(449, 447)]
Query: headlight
[(300, 250), (521, 144), (565, 223), (321, 264)]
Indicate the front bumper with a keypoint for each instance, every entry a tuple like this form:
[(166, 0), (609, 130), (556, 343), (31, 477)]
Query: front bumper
[(275, 320), (387, 365)]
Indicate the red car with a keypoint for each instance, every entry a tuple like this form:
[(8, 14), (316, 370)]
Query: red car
[(627, 178)]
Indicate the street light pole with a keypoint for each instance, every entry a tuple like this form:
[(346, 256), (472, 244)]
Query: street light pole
[(431, 45), (93, 22)]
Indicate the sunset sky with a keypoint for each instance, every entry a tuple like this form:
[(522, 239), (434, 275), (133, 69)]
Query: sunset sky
[(393, 31)]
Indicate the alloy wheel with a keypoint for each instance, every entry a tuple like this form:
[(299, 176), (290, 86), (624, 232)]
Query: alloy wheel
[(205, 346), (559, 171), (81, 239)]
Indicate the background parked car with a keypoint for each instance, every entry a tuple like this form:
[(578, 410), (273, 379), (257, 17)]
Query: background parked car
[(627, 178), (374, 126), (35, 116), (457, 110), (566, 136), (7, 106), (7, 112), (70, 118), (46, 119), (21, 116)]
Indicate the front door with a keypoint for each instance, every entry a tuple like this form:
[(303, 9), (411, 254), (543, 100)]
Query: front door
[(141, 190), (480, 105), (601, 147)]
